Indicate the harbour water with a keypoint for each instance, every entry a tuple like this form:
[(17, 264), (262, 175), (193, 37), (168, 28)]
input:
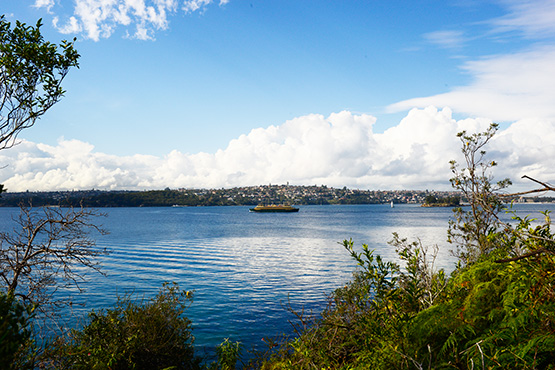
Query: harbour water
[(245, 267)]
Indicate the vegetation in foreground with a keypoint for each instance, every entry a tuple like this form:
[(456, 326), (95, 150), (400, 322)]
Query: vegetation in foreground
[(495, 311)]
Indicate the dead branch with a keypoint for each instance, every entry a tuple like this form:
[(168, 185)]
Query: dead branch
[(46, 250), (546, 187)]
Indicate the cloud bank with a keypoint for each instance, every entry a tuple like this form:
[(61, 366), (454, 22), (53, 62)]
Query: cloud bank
[(97, 19), (339, 150)]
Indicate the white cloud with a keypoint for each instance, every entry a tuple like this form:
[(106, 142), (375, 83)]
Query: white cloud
[(194, 5), (100, 18), (446, 39), (340, 150), (47, 4), (534, 18), (190, 6), (72, 26), (504, 88)]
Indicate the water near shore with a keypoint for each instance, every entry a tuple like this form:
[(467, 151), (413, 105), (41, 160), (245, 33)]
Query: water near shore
[(244, 267)]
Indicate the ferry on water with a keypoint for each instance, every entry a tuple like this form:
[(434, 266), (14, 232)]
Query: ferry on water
[(274, 208)]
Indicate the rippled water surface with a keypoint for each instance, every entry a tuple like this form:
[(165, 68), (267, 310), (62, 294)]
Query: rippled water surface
[(245, 266)]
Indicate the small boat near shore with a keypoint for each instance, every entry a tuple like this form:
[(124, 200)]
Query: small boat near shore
[(274, 208)]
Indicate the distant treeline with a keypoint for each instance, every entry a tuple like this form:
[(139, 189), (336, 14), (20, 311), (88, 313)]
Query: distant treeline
[(155, 198), (229, 197), (167, 198)]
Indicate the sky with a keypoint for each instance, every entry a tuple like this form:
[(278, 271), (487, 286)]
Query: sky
[(225, 93)]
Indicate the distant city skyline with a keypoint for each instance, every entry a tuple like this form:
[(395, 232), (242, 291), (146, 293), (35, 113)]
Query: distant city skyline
[(211, 94)]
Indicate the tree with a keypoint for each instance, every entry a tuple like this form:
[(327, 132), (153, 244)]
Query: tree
[(46, 251), (471, 230), (33, 258), (31, 73)]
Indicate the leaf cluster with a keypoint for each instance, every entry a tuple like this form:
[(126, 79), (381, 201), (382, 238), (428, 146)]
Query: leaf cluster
[(31, 73)]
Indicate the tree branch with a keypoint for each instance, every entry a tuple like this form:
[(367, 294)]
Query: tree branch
[(546, 187), (526, 255)]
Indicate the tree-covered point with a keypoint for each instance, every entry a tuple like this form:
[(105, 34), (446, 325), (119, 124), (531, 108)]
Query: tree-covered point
[(153, 198), (433, 201)]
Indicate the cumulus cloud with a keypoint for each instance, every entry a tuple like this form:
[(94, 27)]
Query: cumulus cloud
[(339, 150), (99, 18), (504, 88)]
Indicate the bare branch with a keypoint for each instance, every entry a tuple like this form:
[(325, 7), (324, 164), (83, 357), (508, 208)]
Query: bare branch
[(46, 250), (546, 187)]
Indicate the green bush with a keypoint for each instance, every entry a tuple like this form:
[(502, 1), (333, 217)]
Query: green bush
[(14, 329), (152, 334), (228, 354)]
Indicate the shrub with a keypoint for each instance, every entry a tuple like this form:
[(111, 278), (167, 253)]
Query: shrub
[(134, 335), (14, 329)]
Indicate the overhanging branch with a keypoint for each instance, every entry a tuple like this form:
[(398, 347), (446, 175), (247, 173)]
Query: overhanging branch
[(546, 187)]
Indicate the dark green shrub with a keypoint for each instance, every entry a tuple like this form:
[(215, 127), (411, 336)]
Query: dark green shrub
[(151, 334), (14, 329)]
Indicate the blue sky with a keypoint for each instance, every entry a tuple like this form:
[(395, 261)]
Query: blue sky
[(227, 93)]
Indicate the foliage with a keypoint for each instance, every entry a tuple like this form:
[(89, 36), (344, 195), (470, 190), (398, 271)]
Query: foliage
[(15, 330), (151, 334), (490, 314), (495, 311), (367, 321), (228, 354), (31, 73), (421, 283), (473, 231)]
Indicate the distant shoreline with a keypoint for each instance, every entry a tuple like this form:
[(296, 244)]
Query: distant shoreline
[(240, 196)]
